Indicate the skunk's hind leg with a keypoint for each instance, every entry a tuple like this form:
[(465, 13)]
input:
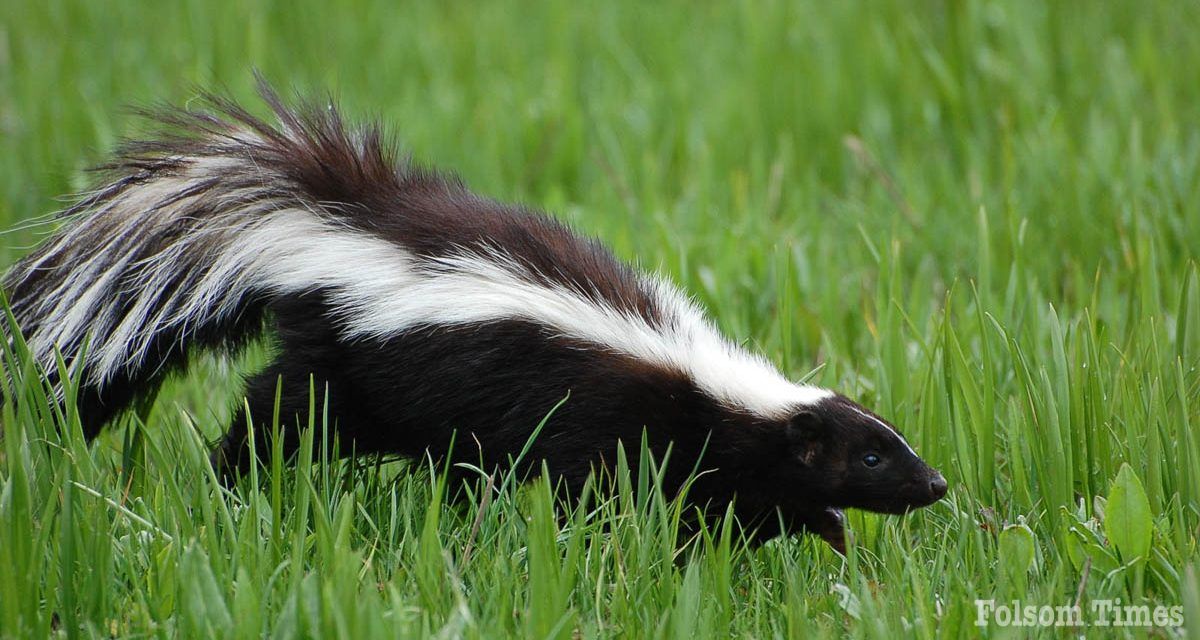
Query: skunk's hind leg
[(233, 455), (306, 373), (298, 390)]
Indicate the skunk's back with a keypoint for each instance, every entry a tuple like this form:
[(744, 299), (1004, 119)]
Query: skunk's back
[(198, 231), (194, 232)]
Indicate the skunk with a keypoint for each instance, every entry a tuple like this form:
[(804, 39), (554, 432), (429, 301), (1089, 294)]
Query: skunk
[(426, 314)]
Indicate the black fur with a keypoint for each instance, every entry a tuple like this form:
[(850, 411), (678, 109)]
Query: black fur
[(485, 386)]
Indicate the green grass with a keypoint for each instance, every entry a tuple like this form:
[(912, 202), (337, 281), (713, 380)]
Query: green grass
[(978, 218)]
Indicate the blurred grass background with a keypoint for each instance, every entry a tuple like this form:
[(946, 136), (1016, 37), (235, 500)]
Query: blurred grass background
[(978, 217)]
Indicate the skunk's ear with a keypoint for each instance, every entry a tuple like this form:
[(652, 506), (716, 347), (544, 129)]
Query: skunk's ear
[(806, 432)]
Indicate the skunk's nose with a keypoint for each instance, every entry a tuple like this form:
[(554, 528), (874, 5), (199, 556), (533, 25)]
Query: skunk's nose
[(937, 486)]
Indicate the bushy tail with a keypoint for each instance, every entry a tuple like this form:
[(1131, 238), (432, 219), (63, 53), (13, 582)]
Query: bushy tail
[(193, 234)]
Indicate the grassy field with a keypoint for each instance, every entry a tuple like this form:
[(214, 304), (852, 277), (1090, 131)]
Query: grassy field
[(979, 218)]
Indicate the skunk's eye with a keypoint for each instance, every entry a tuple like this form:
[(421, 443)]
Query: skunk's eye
[(871, 460)]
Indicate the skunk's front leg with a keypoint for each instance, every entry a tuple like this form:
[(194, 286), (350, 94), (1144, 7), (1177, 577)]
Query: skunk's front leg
[(830, 525)]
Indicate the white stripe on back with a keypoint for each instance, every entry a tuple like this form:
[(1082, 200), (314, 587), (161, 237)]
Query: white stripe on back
[(376, 289)]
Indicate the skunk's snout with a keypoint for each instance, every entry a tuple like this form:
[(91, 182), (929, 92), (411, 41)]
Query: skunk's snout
[(937, 486)]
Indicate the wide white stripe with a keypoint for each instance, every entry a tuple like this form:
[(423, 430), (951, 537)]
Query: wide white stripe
[(382, 294), (376, 288)]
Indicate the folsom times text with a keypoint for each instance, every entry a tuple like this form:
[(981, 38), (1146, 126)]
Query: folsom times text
[(1098, 613)]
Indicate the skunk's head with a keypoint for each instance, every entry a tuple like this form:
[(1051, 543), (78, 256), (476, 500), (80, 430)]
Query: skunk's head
[(855, 459)]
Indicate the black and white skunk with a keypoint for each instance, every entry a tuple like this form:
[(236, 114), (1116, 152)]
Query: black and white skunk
[(422, 310)]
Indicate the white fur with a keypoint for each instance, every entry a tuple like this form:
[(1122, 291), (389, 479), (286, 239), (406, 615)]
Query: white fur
[(376, 288)]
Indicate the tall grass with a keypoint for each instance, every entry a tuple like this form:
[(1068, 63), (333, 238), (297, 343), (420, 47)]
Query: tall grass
[(977, 217)]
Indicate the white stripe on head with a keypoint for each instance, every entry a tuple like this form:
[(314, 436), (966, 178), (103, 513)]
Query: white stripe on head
[(887, 427)]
